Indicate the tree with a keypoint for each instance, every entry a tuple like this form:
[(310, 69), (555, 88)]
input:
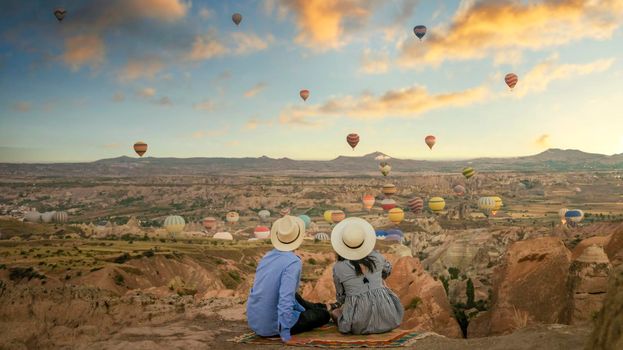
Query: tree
[(469, 291)]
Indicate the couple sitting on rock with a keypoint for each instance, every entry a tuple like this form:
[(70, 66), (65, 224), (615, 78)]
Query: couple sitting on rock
[(364, 304)]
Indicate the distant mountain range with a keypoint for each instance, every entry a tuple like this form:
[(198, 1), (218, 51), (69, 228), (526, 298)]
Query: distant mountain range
[(551, 160)]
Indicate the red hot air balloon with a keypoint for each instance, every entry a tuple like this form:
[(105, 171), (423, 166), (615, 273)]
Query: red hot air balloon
[(140, 148), (511, 80), (416, 205), (430, 141), (353, 140), (304, 94), (237, 18)]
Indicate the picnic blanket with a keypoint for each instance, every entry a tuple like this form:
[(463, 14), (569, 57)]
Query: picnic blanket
[(329, 337)]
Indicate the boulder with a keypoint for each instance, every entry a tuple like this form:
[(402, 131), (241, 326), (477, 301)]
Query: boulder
[(529, 287)]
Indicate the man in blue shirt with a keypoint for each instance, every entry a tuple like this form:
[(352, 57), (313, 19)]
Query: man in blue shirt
[(274, 307)]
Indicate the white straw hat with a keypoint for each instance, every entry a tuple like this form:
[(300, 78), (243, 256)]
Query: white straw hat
[(287, 233), (353, 238)]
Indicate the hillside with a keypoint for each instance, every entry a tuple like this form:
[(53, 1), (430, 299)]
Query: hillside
[(549, 160)]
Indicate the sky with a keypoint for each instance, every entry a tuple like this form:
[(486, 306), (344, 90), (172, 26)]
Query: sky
[(182, 77)]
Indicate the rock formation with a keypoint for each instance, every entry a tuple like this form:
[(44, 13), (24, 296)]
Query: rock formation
[(608, 332)]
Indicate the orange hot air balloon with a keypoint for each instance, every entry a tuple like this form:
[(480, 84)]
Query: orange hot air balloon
[(368, 201), (430, 141), (389, 190), (140, 148), (511, 80), (304, 94), (337, 216), (237, 18), (353, 140)]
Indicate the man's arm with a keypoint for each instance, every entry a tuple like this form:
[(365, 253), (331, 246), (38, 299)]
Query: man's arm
[(289, 281)]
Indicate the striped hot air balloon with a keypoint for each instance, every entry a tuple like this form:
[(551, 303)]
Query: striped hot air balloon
[(261, 232), (368, 201), (236, 18), (389, 190), (60, 217), (140, 148), (174, 224), (486, 205), (511, 80), (337, 216), (396, 215), (419, 31), (416, 205), (209, 223), (430, 141), (436, 204), (232, 217), (468, 172), (304, 94), (321, 236), (352, 140), (263, 214), (459, 190), (388, 204)]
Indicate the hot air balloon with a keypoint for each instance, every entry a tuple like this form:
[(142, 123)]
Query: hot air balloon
[(573, 217), (47, 217), (224, 236), (436, 204), (416, 205), (261, 232), (304, 94), (174, 224), (368, 201), (337, 216), (263, 214), (385, 169), (352, 140), (486, 205), (32, 216), (498, 204), (140, 148), (468, 172), (388, 204), (232, 217), (321, 236), (284, 211), (209, 223), (306, 220), (430, 141), (327, 216), (389, 190), (60, 13), (459, 190), (237, 18), (394, 235), (380, 234), (561, 215), (511, 80), (419, 31), (60, 217), (396, 215)]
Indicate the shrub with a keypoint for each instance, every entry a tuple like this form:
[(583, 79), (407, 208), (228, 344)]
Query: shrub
[(19, 273), (469, 291), (119, 280), (454, 273), (413, 304), (311, 261), (122, 258), (148, 253)]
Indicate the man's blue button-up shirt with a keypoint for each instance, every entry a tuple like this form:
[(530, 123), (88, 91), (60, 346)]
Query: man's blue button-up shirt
[(272, 307)]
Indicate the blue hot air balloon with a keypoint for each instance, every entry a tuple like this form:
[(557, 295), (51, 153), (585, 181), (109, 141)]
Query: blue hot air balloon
[(306, 219)]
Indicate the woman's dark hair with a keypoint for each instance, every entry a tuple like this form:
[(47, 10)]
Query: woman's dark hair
[(369, 262)]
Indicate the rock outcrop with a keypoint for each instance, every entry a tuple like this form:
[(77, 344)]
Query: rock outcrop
[(588, 281), (608, 332), (529, 287)]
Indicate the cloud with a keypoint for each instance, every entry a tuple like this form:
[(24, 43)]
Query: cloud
[(256, 89), (118, 97), (543, 141), (404, 103), (143, 67), (199, 134), (491, 26), (205, 13), (539, 77), (205, 105), (232, 143), (374, 62), (254, 123), (209, 45), (146, 92), (84, 50), (323, 24), (22, 106)]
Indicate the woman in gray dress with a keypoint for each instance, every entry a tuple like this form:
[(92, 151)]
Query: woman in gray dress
[(364, 304)]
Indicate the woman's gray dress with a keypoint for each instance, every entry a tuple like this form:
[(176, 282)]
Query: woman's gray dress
[(368, 305)]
